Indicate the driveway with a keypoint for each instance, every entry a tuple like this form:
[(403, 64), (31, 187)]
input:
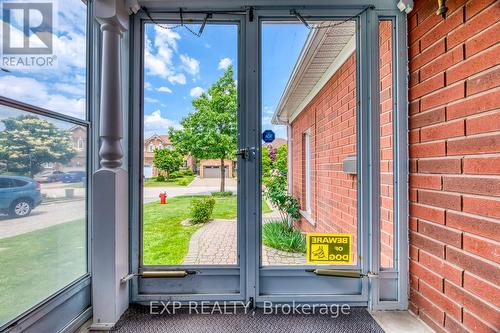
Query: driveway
[(41, 217), (199, 186)]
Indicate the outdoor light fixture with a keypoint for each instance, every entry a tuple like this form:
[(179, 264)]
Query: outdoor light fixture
[(442, 8)]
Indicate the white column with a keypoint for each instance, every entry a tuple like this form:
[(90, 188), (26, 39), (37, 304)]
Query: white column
[(110, 261)]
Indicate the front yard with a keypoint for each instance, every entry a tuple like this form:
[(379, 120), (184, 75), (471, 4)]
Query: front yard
[(165, 239), (181, 181), (36, 264)]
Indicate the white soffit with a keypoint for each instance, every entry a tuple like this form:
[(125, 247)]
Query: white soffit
[(323, 54)]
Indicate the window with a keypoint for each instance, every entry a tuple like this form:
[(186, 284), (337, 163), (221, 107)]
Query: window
[(44, 213), (80, 144), (307, 171), (151, 148)]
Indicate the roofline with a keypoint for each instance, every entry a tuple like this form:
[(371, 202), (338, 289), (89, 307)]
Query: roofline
[(292, 79), (302, 62)]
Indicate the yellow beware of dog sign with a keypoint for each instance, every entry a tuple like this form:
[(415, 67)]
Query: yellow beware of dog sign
[(329, 249)]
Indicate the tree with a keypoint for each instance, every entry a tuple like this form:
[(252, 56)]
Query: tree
[(210, 132), (168, 160), (27, 142), (282, 159), (266, 165)]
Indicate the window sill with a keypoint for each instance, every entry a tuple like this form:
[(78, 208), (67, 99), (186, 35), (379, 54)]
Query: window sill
[(308, 217)]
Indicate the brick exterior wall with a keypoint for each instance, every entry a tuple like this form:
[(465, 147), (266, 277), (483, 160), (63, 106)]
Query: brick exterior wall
[(386, 146), (331, 120), (455, 165)]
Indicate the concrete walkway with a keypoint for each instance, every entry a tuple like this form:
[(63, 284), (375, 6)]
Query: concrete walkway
[(216, 244)]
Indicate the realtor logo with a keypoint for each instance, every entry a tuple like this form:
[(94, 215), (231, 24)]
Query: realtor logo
[(27, 34)]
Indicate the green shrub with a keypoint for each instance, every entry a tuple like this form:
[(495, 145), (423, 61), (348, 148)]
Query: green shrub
[(174, 175), (201, 209), (183, 182), (187, 172), (160, 178), (222, 194), (279, 235)]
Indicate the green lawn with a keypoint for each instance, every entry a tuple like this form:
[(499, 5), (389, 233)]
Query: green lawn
[(165, 240), (172, 182), (36, 264)]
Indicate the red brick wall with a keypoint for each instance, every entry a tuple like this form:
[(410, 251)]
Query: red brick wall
[(331, 119), (386, 145), (455, 165)]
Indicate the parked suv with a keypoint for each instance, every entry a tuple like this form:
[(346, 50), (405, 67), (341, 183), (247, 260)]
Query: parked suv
[(19, 195)]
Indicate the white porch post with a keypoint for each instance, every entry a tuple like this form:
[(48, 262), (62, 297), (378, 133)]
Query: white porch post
[(110, 261)]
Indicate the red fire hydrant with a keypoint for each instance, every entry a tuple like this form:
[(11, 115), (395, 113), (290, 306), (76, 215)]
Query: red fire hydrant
[(163, 198)]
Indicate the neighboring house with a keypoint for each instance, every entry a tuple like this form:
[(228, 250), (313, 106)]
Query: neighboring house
[(156, 141), (278, 142), (79, 141), (211, 168), (322, 134)]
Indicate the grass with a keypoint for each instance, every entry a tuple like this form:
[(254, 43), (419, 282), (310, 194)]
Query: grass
[(34, 265), (279, 236), (165, 239), (170, 182)]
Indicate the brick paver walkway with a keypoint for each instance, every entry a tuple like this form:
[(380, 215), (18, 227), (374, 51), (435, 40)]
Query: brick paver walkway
[(215, 244)]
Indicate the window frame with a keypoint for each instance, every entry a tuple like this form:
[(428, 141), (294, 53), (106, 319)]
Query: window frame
[(70, 306), (307, 172)]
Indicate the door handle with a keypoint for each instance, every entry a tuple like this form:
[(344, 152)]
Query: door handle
[(246, 153), (243, 152)]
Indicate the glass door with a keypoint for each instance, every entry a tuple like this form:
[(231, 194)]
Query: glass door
[(311, 247), (265, 139), (191, 232)]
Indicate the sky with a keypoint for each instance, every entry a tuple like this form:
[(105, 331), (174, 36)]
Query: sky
[(179, 66), (60, 89)]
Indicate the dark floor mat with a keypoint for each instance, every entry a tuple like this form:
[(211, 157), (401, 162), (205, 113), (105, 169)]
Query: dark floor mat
[(138, 319)]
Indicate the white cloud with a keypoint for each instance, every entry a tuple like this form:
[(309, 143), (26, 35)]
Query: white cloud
[(166, 37), (177, 78), (190, 65), (196, 92), (159, 54), (268, 110), (225, 63), (150, 100), (74, 89), (31, 91), (164, 89), (148, 85), (155, 123)]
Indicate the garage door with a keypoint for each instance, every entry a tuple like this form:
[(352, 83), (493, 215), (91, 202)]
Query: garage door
[(213, 171)]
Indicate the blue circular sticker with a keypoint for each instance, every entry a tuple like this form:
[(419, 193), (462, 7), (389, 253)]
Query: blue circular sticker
[(268, 136)]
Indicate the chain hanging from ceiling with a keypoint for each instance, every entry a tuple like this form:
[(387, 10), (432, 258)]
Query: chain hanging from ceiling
[(208, 15)]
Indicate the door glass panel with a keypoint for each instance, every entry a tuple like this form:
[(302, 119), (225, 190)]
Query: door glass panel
[(190, 140), (386, 145), (43, 180), (309, 171)]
